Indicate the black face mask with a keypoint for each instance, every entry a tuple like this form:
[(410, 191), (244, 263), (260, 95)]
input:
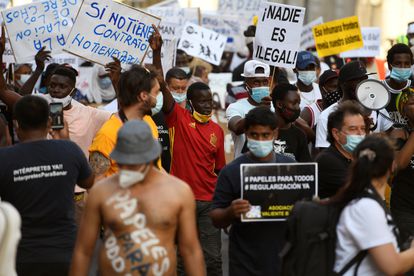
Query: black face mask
[(290, 115), (333, 97)]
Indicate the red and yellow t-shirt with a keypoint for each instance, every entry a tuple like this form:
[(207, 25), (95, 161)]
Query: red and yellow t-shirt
[(105, 140), (197, 150)]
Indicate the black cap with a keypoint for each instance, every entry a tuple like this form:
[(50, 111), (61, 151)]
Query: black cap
[(327, 75), (352, 70)]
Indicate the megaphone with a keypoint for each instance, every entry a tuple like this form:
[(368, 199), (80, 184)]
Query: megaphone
[(372, 94)]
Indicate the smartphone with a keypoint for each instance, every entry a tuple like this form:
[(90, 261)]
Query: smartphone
[(56, 113)]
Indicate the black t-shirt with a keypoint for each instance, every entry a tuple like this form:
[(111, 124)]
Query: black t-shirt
[(164, 139), (254, 246), (38, 178), (332, 171)]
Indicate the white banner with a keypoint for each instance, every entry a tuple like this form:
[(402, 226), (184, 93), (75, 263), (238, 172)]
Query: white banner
[(227, 25), (278, 34), (107, 29), (371, 37), (306, 40), (32, 26), (202, 43), (4, 4)]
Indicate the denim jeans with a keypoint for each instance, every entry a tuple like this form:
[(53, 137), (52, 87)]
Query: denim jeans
[(210, 240)]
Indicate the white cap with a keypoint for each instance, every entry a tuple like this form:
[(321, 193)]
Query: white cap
[(250, 69)]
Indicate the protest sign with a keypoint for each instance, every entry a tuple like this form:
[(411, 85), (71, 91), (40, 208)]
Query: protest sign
[(167, 3), (202, 43), (278, 34), (306, 40), (176, 14), (113, 30), (32, 26), (4, 4), (168, 51), (64, 58), (273, 189), (337, 36), (371, 37), (226, 25), (218, 86)]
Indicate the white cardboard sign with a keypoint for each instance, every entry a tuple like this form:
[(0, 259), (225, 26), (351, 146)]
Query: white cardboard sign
[(372, 41), (306, 40)]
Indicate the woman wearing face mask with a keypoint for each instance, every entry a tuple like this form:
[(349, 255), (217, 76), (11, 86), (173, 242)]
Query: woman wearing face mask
[(101, 89), (402, 196)]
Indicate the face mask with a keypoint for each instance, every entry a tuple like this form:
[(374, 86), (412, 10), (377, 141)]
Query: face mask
[(23, 78), (258, 93), (104, 83), (352, 142), (400, 74), (43, 90), (307, 77), (64, 101), (158, 106), (290, 115), (179, 97), (260, 148), (127, 177), (185, 69), (333, 97), (201, 118)]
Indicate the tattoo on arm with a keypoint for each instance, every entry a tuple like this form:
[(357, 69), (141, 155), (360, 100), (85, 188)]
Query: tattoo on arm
[(99, 163)]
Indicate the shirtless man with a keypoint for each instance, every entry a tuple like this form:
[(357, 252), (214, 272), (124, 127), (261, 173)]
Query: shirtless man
[(142, 210)]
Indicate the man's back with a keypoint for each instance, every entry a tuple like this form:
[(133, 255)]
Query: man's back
[(38, 179)]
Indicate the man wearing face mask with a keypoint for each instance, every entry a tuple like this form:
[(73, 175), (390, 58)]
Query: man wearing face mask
[(350, 75), (328, 85), (257, 81), (399, 59), (143, 211), (346, 129), (254, 246), (306, 73), (177, 81), (138, 92)]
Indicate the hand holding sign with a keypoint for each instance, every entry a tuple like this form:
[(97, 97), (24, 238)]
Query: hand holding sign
[(114, 69), (155, 40), (239, 207)]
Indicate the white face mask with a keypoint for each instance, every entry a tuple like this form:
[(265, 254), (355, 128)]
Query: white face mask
[(127, 178), (158, 106), (64, 101)]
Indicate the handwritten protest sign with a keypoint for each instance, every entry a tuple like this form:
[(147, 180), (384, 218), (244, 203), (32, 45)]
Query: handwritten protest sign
[(278, 34), (337, 36), (226, 25), (113, 30), (32, 26), (273, 189), (202, 43), (306, 40), (371, 37)]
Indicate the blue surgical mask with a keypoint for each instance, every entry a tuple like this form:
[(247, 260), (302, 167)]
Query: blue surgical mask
[(260, 148), (104, 83), (400, 74), (307, 77), (179, 97), (158, 106), (352, 142), (258, 93)]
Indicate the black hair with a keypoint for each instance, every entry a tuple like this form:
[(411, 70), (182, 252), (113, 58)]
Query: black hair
[(49, 70), (261, 116), (132, 82), (62, 70), (373, 158), (281, 90), (336, 118), (31, 113), (176, 73), (197, 86), (399, 48)]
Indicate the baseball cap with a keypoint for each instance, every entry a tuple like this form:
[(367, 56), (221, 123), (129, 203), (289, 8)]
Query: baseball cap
[(251, 67), (135, 144), (304, 59), (352, 70), (326, 76)]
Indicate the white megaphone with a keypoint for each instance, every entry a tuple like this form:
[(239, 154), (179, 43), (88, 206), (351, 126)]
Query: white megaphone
[(372, 94)]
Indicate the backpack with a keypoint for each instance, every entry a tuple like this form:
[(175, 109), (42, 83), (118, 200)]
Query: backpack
[(311, 239)]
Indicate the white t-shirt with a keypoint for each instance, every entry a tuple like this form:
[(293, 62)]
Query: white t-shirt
[(383, 124), (362, 225), (240, 109), (308, 98)]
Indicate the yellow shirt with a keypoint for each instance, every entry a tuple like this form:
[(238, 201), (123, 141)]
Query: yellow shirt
[(105, 140)]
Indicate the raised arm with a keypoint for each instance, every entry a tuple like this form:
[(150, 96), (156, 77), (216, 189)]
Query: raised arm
[(156, 44), (114, 69), (40, 59)]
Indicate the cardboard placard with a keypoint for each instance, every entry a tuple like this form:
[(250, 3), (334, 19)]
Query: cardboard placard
[(202, 43), (306, 40), (371, 37), (337, 36), (32, 26), (278, 34), (113, 30), (273, 189)]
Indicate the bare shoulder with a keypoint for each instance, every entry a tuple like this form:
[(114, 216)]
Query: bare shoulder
[(104, 187), (175, 184)]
